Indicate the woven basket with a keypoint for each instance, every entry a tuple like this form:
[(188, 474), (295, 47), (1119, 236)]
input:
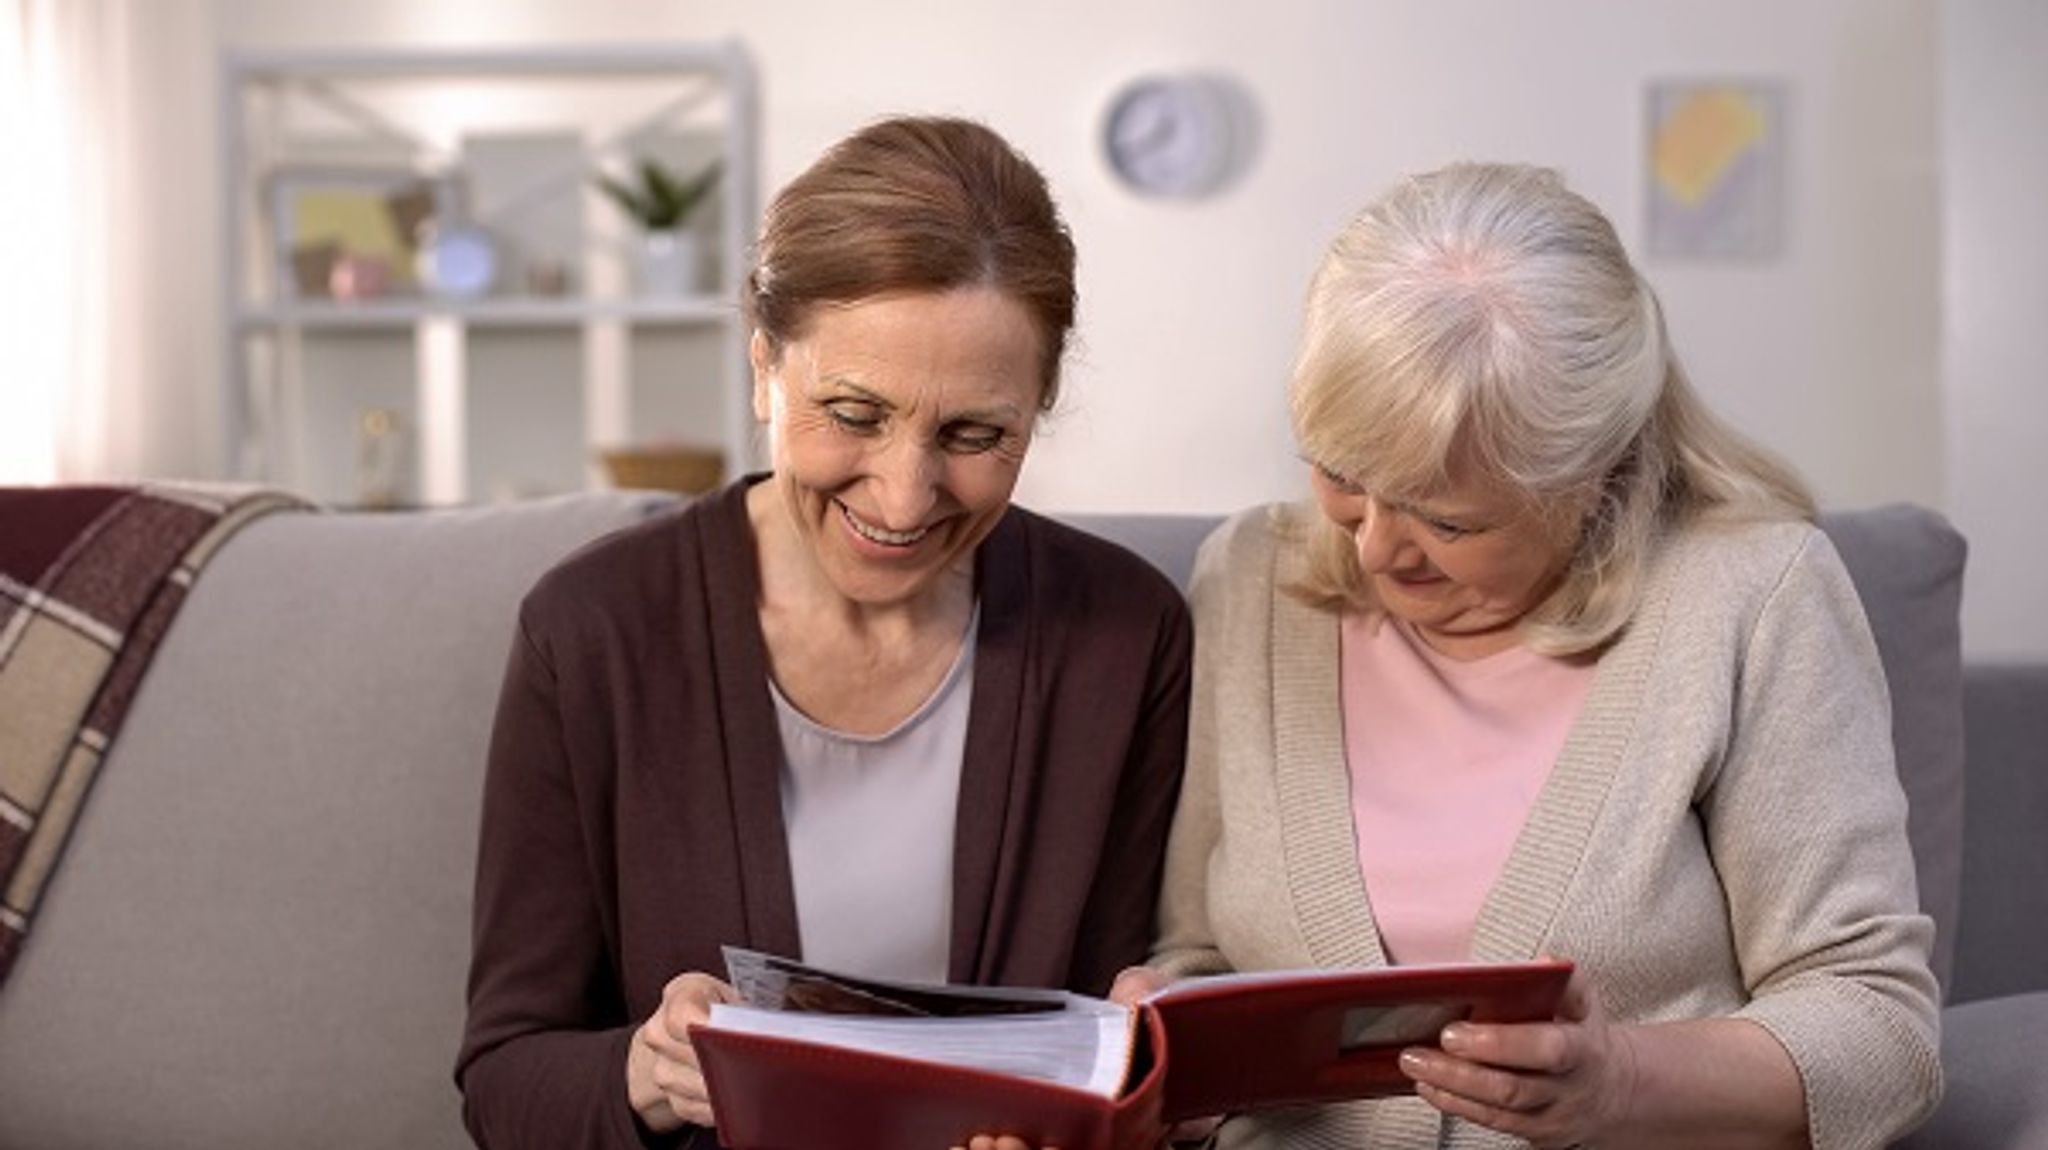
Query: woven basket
[(691, 470)]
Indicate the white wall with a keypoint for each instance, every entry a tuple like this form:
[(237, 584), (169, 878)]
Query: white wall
[(1832, 353), (1995, 160), (1189, 311)]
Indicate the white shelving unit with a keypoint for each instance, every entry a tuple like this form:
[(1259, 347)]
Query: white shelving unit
[(289, 111)]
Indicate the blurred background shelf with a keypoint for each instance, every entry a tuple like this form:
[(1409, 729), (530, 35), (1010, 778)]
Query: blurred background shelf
[(537, 311), (516, 376)]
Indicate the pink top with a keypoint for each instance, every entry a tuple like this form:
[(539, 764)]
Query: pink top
[(1446, 758)]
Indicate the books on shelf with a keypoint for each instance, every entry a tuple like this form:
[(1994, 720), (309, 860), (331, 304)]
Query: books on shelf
[(818, 1060)]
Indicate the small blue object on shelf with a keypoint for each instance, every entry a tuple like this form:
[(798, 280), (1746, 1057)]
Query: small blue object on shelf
[(458, 262)]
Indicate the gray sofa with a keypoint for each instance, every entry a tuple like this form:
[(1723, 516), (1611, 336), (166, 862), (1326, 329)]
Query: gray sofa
[(260, 933)]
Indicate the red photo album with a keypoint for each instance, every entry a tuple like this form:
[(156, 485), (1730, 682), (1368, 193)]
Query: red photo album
[(823, 1061)]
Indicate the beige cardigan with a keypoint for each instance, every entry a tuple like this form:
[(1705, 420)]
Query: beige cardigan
[(1723, 833)]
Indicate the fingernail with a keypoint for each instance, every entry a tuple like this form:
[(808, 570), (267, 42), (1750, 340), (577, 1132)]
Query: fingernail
[(1453, 1036), (1411, 1061)]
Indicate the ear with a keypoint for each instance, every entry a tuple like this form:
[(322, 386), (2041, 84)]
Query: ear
[(762, 357)]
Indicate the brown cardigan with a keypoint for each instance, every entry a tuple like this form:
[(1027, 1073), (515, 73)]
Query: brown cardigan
[(632, 818)]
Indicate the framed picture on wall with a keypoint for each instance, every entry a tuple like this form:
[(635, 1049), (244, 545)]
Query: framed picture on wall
[(1716, 162), (349, 232)]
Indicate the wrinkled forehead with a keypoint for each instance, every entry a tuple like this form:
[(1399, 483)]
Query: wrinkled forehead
[(807, 320)]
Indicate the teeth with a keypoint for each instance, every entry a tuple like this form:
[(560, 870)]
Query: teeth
[(881, 535)]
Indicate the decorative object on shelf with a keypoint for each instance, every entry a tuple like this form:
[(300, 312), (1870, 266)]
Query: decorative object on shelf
[(411, 206), (380, 460), (666, 467), (665, 263), (324, 215), (663, 204), (359, 278), (547, 277), (457, 261), (313, 267), (1180, 136)]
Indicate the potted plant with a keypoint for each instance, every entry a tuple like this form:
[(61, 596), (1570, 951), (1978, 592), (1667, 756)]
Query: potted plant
[(662, 204)]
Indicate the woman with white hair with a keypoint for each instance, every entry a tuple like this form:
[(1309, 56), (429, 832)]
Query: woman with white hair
[(1554, 664)]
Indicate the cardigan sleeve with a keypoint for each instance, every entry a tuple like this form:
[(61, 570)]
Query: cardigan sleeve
[(543, 1053), (1187, 943), (1806, 821)]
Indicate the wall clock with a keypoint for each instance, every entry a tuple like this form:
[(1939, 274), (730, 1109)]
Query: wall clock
[(1180, 136)]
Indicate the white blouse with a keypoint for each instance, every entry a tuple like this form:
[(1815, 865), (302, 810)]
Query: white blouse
[(870, 820)]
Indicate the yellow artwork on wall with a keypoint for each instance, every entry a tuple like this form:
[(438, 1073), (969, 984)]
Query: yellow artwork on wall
[(1715, 169), (1701, 140)]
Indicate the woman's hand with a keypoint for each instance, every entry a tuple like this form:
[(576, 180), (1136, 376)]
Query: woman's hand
[(1133, 983), (1558, 1083), (663, 1081)]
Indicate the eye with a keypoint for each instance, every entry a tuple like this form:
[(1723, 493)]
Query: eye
[(1445, 530), (855, 415), (971, 438), (1337, 481)]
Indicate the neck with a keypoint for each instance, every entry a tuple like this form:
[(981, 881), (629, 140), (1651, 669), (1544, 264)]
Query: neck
[(1470, 646)]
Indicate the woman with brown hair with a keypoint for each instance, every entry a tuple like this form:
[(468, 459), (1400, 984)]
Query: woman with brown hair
[(860, 710)]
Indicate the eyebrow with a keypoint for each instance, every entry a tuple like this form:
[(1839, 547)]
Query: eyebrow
[(1001, 413), (1468, 518)]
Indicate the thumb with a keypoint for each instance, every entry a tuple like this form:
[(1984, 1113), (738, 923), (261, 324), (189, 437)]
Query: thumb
[(1134, 983), (1578, 1002)]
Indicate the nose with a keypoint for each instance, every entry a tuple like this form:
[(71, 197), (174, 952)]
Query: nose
[(907, 478), (1378, 535)]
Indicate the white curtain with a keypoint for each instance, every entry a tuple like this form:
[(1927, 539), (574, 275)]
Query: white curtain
[(73, 250)]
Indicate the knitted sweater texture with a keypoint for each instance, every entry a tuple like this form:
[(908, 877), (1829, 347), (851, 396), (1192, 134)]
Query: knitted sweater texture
[(1723, 834)]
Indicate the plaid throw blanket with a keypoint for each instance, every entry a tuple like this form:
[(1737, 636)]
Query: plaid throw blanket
[(90, 579)]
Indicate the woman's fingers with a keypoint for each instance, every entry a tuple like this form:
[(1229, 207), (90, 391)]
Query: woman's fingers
[(1552, 1083), (1193, 1132), (1491, 1086), (1540, 1128), (682, 1086), (685, 1002), (1579, 1001), (1543, 1047), (1134, 983), (688, 999), (664, 1081)]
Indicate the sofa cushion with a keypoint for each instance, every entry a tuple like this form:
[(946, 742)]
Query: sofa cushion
[(260, 934), (1168, 542), (1996, 1096), (2005, 855)]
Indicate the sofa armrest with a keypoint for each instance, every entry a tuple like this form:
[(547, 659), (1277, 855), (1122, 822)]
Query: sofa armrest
[(2003, 945), (261, 927), (1997, 1093)]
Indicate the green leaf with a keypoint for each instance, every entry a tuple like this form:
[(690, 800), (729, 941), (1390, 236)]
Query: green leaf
[(658, 200), (626, 198)]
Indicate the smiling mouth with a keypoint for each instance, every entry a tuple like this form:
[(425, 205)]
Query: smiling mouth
[(881, 535)]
